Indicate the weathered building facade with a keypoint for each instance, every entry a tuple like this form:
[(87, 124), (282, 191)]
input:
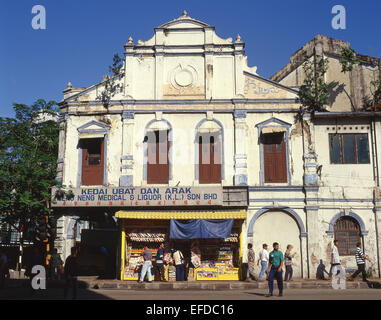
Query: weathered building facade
[(190, 115)]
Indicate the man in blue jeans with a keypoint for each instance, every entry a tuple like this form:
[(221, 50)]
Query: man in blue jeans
[(147, 266), (274, 270), (263, 260)]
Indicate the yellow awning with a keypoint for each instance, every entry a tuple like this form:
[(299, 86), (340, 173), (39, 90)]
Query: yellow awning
[(167, 215)]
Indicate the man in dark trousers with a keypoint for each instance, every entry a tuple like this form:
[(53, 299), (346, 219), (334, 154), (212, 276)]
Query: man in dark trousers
[(274, 270), (159, 267), (360, 260), (71, 273)]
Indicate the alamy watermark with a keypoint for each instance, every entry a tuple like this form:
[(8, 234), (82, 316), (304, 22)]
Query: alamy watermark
[(39, 280), (339, 21), (39, 20)]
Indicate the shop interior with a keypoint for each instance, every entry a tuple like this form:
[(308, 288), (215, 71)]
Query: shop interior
[(205, 259)]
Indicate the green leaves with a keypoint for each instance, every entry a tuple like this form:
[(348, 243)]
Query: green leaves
[(28, 157), (348, 59), (315, 92), (376, 90), (109, 82)]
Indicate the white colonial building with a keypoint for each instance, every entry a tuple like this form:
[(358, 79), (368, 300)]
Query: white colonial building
[(191, 115)]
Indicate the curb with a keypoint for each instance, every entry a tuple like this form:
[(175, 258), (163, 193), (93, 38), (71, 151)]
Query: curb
[(214, 286)]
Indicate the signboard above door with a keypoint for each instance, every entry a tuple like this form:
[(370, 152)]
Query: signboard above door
[(137, 196)]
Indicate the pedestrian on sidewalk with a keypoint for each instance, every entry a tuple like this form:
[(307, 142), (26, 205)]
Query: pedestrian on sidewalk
[(274, 270), (250, 262), (159, 266), (56, 264), (263, 260), (336, 267), (179, 264), (360, 260), (147, 266), (3, 268), (288, 263), (71, 273)]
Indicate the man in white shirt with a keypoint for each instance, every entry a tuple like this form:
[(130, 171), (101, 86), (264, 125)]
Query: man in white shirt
[(179, 264), (335, 259), (263, 260)]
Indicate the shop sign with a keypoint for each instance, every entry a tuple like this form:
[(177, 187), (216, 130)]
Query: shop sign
[(137, 196)]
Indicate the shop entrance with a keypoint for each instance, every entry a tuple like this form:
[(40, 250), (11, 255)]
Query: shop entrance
[(205, 259)]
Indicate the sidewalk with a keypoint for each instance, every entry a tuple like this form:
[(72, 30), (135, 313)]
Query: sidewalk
[(213, 285)]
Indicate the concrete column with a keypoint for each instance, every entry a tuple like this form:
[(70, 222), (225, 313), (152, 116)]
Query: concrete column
[(377, 213), (304, 252), (238, 63), (129, 70), (61, 147), (208, 72), (159, 64), (127, 159), (313, 243), (240, 157)]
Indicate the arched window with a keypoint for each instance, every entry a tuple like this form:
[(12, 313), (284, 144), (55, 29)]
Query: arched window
[(347, 232)]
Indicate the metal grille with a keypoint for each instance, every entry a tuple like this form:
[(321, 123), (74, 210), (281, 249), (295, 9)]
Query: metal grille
[(347, 232)]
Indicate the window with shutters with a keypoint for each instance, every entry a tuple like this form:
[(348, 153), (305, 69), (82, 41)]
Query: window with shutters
[(157, 157), (210, 158), (92, 161), (274, 157), (349, 148), (347, 232)]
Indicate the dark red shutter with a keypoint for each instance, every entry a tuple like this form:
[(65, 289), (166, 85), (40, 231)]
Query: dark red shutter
[(210, 158), (274, 156), (158, 158), (92, 161)]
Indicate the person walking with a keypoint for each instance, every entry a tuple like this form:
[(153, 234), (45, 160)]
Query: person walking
[(263, 260), (3, 268), (159, 266), (360, 260), (288, 263), (335, 259), (274, 270), (71, 273), (250, 262), (179, 264), (56, 264), (147, 266)]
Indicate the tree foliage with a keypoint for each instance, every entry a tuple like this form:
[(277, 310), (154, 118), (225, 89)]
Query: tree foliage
[(28, 159), (315, 92), (348, 59), (111, 86)]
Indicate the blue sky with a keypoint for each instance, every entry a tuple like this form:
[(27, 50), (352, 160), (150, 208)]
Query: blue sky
[(82, 36)]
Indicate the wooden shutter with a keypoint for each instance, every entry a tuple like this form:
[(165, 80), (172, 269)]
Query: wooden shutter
[(92, 161), (274, 156), (157, 157), (210, 158)]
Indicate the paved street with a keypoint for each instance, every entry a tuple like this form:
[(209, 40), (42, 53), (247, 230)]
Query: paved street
[(256, 294)]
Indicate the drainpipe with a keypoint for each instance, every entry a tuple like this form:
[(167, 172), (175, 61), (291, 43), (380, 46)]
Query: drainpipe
[(305, 198), (376, 179)]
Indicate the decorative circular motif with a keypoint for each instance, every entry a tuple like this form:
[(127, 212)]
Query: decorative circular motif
[(184, 78)]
